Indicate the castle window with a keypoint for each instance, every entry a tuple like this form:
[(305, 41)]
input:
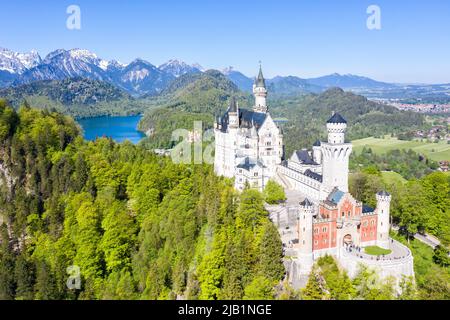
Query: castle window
[(316, 242), (372, 222), (324, 229), (255, 174), (364, 234), (303, 229), (303, 241), (325, 241), (316, 230)]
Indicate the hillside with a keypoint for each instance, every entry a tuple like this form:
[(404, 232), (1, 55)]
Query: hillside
[(77, 97), (137, 225), (189, 98), (308, 114)]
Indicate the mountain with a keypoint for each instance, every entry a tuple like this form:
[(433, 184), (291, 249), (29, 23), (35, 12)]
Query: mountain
[(290, 85), (78, 97), (189, 98), (66, 92), (347, 81), (17, 63), (62, 64), (307, 115), (138, 77), (243, 82), (178, 68), (141, 77)]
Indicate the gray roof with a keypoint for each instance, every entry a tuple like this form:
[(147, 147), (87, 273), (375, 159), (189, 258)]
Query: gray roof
[(384, 193), (304, 157), (233, 105), (336, 118), (259, 81), (313, 175), (306, 203), (248, 164), (335, 196), (317, 143), (247, 119), (367, 209)]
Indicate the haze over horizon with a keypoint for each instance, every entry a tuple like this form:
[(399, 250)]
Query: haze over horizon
[(297, 38)]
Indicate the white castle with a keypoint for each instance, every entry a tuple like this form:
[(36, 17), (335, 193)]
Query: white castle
[(249, 147), (327, 219)]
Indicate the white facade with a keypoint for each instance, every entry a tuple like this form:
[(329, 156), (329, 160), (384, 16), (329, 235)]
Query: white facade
[(383, 211), (249, 144)]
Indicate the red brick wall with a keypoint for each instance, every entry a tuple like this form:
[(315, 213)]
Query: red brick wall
[(324, 235), (368, 228)]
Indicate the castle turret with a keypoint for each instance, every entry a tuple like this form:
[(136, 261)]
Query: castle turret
[(233, 114), (336, 154), (383, 225), (260, 93), (317, 152), (305, 234)]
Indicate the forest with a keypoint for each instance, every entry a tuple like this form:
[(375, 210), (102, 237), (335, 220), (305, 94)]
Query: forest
[(136, 225), (124, 223)]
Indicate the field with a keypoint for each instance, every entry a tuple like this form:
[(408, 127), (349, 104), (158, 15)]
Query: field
[(434, 151), (391, 177), (377, 251)]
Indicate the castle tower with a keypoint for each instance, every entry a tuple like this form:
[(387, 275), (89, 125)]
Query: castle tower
[(260, 93), (317, 152), (233, 114), (335, 155), (305, 234), (383, 225)]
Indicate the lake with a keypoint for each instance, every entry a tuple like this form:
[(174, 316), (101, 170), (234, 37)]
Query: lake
[(118, 128)]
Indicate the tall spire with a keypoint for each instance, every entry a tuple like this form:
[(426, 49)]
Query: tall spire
[(233, 105), (260, 82)]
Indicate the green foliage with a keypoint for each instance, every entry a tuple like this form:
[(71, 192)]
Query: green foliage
[(407, 163), (307, 116), (137, 225), (260, 288), (274, 193), (77, 97)]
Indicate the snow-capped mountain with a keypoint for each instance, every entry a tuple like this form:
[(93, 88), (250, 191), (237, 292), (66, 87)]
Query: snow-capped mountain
[(178, 68), (138, 77), (142, 77), (17, 63)]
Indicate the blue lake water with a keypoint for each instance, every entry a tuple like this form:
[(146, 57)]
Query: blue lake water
[(118, 128)]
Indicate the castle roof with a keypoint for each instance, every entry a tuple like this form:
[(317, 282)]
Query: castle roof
[(233, 105), (336, 118), (317, 143), (367, 209), (313, 175), (304, 157), (259, 81), (248, 164), (335, 196), (384, 193), (247, 119), (306, 203)]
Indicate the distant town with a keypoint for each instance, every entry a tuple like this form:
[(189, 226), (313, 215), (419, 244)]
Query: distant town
[(419, 107)]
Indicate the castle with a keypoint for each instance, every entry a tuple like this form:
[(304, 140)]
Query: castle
[(328, 219)]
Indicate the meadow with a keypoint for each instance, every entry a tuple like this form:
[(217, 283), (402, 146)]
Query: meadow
[(434, 151)]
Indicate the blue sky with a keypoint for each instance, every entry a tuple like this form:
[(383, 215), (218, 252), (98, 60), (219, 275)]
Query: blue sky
[(298, 37)]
